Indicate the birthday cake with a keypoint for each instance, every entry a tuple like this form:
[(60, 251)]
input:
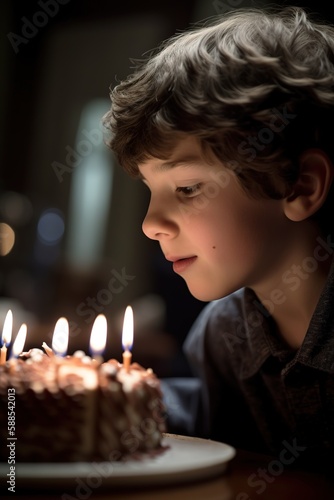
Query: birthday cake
[(75, 408)]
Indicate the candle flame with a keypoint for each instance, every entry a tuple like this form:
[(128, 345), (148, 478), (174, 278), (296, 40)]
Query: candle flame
[(98, 337), (19, 341), (127, 334), (7, 328), (60, 337)]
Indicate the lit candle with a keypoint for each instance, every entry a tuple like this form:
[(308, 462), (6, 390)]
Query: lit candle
[(98, 337), (60, 337), (6, 336), (19, 341), (127, 337)]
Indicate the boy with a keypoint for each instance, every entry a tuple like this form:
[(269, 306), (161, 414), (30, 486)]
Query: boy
[(230, 127)]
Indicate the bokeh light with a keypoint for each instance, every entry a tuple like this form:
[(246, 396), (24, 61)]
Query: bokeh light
[(51, 227), (7, 239)]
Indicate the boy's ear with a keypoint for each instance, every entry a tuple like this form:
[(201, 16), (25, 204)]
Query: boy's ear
[(311, 189)]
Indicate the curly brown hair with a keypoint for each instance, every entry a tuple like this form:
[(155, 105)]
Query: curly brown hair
[(255, 87)]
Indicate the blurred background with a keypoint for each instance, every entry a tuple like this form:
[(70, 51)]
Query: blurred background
[(70, 219)]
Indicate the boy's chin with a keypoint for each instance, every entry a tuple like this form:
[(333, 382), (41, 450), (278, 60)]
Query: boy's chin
[(205, 293)]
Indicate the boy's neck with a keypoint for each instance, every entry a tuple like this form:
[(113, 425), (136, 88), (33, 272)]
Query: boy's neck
[(298, 287), (293, 318)]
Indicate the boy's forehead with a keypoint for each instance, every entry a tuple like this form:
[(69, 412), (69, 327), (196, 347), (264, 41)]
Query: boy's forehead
[(186, 151)]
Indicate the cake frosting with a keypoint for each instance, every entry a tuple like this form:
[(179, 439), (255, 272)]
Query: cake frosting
[(79, 409)]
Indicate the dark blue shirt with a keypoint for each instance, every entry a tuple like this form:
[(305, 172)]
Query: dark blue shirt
[(257, 393)]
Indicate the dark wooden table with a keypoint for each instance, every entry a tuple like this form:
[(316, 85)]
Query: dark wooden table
[(248, 477)]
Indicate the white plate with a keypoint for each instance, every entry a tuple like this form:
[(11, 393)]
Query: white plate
[(185, 459)]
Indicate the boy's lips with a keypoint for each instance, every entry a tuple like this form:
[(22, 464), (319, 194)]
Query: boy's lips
[(180, 264)]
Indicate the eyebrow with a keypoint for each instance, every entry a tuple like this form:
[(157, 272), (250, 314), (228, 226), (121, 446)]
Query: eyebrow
[(186, 161)]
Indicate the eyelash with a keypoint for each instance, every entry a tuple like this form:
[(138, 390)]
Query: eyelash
[(189, 191)]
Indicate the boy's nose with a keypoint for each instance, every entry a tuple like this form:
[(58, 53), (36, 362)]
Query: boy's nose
[(158, 226)]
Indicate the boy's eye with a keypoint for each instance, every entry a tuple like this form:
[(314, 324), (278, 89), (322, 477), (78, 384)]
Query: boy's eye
[(189, 190)]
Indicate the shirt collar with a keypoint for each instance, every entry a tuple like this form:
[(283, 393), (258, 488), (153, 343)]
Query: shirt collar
[(318, 347), (262, 342)]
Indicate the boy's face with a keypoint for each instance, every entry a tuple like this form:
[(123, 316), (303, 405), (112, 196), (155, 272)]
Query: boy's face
[(218, 237)]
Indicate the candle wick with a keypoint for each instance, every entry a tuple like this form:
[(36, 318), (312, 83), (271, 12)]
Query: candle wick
[(48, 350)]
